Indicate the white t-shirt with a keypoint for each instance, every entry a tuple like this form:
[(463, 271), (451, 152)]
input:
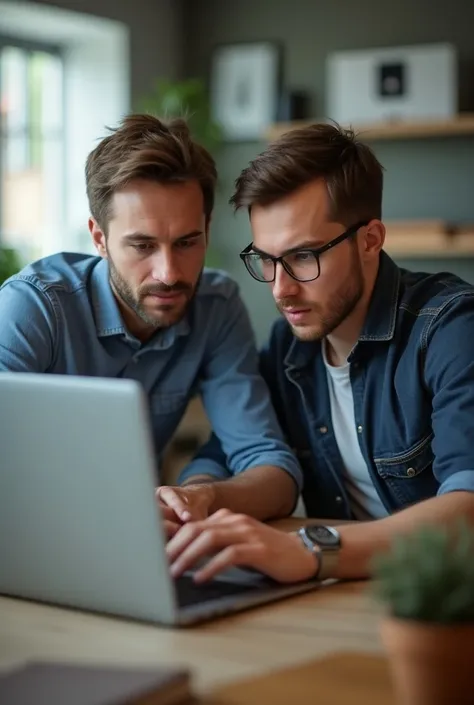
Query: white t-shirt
[(364, 499)]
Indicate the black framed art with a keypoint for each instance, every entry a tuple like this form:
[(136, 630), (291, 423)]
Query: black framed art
[(245, 88)]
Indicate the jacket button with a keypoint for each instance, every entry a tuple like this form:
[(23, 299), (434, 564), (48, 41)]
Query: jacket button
[(323, 429), (360, 429), (338, 499), (411, 472)]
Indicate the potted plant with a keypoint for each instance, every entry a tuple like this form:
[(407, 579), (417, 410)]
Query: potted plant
[(187, 99), (9, 263), (426, 583)]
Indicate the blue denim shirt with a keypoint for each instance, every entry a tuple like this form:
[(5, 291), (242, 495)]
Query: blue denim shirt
[(59, 315), (412, 376)]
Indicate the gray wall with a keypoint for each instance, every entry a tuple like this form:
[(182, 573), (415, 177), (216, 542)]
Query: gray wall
[(156, 35), (432, 178)]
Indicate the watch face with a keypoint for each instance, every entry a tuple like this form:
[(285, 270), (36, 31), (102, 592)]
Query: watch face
[(324, 536)]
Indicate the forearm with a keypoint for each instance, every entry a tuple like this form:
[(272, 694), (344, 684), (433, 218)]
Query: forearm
[(360, 542), (204, 467), (264, 492)]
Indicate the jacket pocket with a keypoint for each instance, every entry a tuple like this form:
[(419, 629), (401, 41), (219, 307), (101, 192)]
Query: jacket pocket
[(409, 464)]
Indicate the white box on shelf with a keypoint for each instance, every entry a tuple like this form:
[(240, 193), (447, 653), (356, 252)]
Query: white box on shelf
[(395, 83)]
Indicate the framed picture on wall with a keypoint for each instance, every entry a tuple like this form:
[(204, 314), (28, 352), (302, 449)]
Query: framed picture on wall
[(245, 87)]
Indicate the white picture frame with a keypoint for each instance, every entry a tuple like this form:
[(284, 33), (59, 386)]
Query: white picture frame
[(245, 87)]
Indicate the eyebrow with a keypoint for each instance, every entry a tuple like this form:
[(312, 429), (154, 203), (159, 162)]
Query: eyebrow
[(144, 237), (305, 245)]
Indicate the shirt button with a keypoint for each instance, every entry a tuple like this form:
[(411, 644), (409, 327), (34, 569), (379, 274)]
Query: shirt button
[(323, 429), (411, 472), (360, 429)]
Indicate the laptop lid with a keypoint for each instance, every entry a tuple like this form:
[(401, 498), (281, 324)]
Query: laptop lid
[(79, 524)]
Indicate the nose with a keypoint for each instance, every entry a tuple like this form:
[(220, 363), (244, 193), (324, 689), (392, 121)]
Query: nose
[(165, 267), (284, 285)]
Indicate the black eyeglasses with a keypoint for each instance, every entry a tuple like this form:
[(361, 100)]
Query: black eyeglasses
[(303, 265)]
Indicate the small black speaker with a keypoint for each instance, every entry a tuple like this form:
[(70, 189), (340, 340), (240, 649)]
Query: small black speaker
[(293, 105), (392, 80)]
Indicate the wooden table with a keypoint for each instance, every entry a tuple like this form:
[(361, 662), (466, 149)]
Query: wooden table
[(334, 618)]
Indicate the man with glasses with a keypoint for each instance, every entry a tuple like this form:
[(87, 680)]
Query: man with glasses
[(371, 370)]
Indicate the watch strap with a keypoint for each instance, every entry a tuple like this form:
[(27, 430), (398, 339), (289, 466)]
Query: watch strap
[(327, 558), (314, 548)]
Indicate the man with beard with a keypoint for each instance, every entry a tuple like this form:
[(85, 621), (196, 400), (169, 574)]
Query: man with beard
[(371, 369), (145, 308)]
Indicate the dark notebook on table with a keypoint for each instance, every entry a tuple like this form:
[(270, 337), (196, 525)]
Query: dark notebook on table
[(43, 683)]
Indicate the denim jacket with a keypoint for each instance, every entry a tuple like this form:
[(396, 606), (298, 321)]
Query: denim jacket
[(412, 376)]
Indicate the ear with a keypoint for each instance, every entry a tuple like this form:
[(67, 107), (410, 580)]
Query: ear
[(373, 239), (207, 227), (98, 237)]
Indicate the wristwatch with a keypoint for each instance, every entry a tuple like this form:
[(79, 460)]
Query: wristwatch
[(325, 542)]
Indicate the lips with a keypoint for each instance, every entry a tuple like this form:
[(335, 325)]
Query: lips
[(291, 311), (164, 300), (296, 315), (162, 295)]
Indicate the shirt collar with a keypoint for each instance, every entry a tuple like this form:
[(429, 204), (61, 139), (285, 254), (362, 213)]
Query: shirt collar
[(108, 319), (380, 320)]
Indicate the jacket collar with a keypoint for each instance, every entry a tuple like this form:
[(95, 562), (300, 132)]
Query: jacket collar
[(382, 314)]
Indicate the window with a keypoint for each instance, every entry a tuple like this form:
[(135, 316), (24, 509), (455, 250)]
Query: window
[(31, 149)]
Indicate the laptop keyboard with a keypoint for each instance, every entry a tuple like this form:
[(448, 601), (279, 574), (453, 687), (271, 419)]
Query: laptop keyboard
[(191, 594)]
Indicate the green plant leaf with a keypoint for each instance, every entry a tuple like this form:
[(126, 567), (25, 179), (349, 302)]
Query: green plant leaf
[(9, 263), (186, 99), (428, 575)]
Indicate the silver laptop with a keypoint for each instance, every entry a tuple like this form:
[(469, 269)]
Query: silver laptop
[(79, 523)]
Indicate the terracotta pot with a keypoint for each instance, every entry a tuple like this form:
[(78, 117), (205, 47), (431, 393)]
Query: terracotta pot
[(431, 664)]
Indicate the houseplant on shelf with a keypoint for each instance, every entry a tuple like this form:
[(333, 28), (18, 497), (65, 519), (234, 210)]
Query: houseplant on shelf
[(426, 583), (9, 263), (187, 99)]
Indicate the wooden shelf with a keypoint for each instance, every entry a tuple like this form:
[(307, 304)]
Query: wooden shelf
[(462, 124), (460, 248), (428, 238)]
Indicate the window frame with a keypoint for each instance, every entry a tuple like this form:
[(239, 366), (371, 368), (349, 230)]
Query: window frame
[(31, 47)]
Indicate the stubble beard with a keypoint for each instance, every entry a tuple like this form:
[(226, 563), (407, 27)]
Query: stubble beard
[(341, 307), (168, 316)]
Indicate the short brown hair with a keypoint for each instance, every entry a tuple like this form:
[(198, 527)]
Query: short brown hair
[(353, 175), (144, 147)]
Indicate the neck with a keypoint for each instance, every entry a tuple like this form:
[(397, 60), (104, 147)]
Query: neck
[(342, 340)]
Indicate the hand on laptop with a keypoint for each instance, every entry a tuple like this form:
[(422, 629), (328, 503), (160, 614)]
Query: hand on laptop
[(239, 540), (183, 504)]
